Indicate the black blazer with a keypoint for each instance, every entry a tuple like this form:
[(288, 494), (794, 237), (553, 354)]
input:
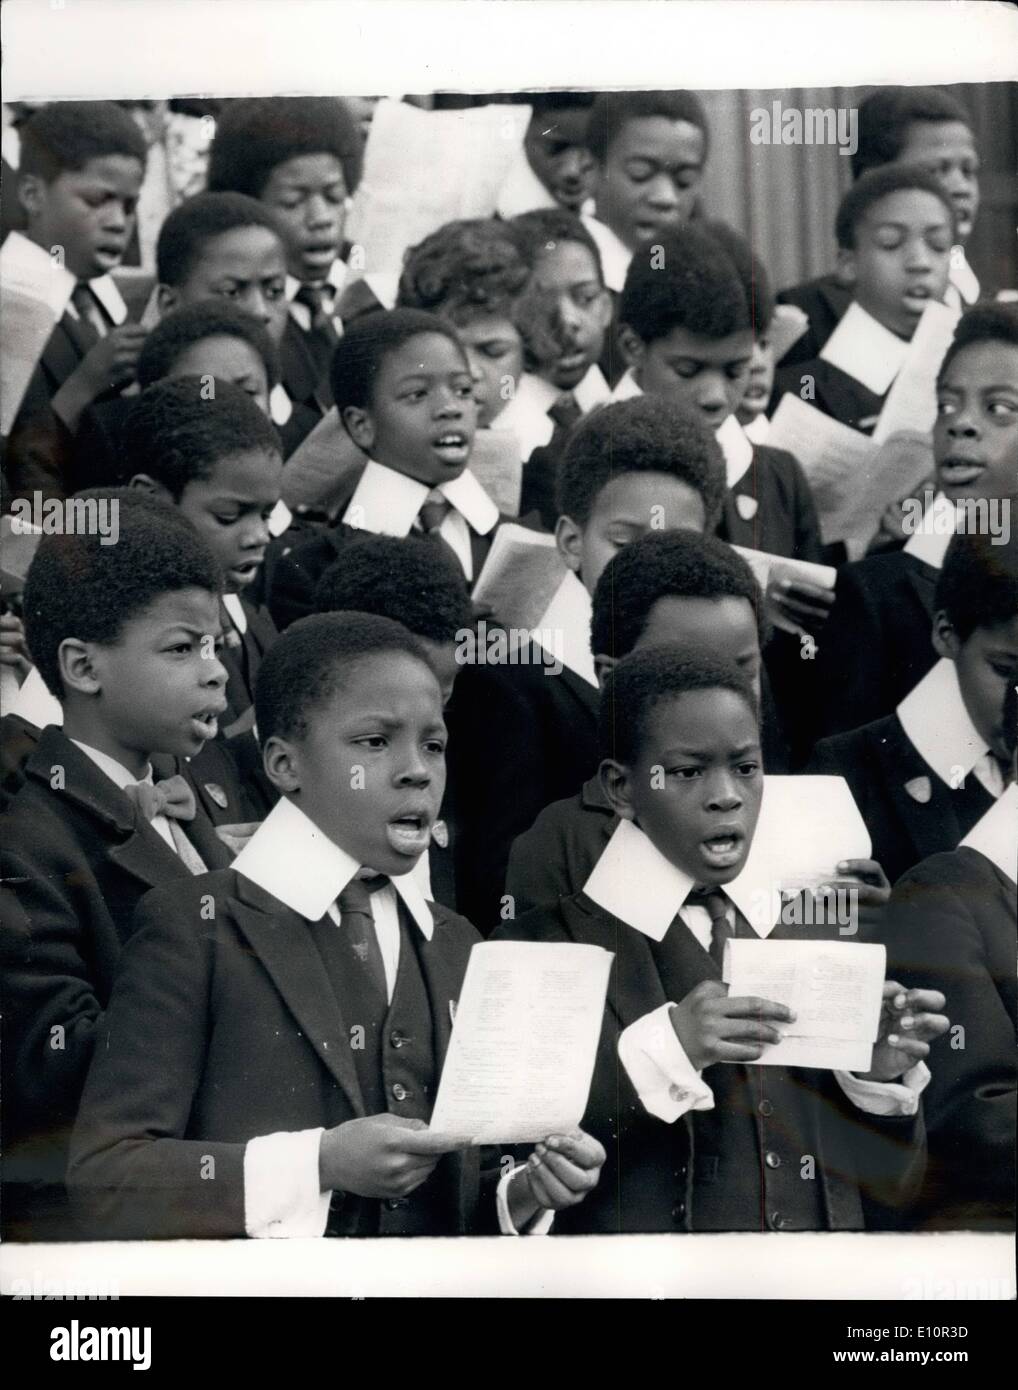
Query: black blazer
[(823, 301), (554, 858), (785, 520), (656, 1178), (876, 645), (242, 663), (835, 393), (519, 739), (878, 762), (250, 1042), (951, 925), (76, 861)]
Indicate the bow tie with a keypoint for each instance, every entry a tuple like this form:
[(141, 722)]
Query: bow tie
[(172, 797)]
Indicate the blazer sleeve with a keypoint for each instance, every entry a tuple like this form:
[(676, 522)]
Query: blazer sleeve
[(49, 988), (850, 661), (939, 924), (132, 1173)]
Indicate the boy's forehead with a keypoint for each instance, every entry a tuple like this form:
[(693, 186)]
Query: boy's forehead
[(658, 137), (378, 682), (936, 137), (681, 618), (193, 608), (251, 474), (303, 170), (914, 207), (680, 342), (644, 496), (426, 353), (987, 363), (248, 251), (119, 172), (564, 262), (690, 717)]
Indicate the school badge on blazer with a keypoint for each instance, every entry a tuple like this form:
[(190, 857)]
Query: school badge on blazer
[(919, 789), (746, 506), (440, 834), (217, 794)]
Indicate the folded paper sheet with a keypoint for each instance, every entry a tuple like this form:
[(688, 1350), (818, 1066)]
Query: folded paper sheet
[(834, 989), (521, 575), (524, 1042), (425, 168)]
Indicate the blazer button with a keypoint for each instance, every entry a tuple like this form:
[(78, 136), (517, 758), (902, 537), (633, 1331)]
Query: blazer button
[(396, 1203), (765, 1108), (399, 1091), (398, 1039), (778, 1221), (772, 1159), (679, 1211)]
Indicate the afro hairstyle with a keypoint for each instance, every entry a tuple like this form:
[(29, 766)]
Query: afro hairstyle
[(256, 134), (193, 323), (687, 280), (413, 579)]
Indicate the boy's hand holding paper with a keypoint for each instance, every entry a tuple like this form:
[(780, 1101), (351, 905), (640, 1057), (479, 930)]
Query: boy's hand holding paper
[(909, 1020), (831, 989), (714, 1025)]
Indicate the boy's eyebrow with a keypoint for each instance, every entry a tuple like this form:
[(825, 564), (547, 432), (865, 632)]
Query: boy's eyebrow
[(193, 629), (681, 751)]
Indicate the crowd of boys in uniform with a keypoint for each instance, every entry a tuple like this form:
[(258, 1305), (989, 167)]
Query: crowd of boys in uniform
[(257, 805)]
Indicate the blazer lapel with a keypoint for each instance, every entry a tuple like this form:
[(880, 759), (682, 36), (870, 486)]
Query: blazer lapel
[(280, 939), (922, 580), (443, 978), (634, 985), (927, 822)]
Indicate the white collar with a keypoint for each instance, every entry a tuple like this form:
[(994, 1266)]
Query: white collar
[(233, 606), (938, 725), (864, 349), (289, 857), (963, 277), (387, 503), (27, 267), (929, 543), (35, 704), (806, 825), (626, 387), (335, 279), (592, 390), (615, 254), (758, 429), (994, 835), (115, 771), (567, 619), (736, 447)]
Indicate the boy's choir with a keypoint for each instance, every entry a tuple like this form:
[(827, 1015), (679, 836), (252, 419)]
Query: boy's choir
[(239, 892)]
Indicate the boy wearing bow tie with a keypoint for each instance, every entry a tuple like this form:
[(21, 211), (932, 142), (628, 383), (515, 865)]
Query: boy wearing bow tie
[(305, 996), (124, 636)]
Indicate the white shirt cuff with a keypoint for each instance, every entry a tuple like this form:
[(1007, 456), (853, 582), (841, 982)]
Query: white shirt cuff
[(889, 1098), (539, 1226), (663, 1076), (282, 1196)]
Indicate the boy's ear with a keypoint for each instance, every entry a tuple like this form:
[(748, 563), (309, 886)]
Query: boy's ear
[(602, 665), (633, 348), (615, 784), (167, 298), (32, 193), (281, 764), (846, 266), (359, 426), (77, 667), (946, 641), (569, 540), (144, 483)]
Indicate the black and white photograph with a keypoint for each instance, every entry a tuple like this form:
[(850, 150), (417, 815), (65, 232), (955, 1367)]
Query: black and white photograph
[(509, 676)]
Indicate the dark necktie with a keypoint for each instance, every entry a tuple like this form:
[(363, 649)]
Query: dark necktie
[(357, 929), (721, 930), (315, 300), (434, 511), (89, 317), (565, 412)]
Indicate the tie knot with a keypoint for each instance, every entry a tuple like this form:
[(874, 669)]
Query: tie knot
[(434, 510), (171, 797), (565, 411), (712, 899), (82, 296), (356, 896)]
